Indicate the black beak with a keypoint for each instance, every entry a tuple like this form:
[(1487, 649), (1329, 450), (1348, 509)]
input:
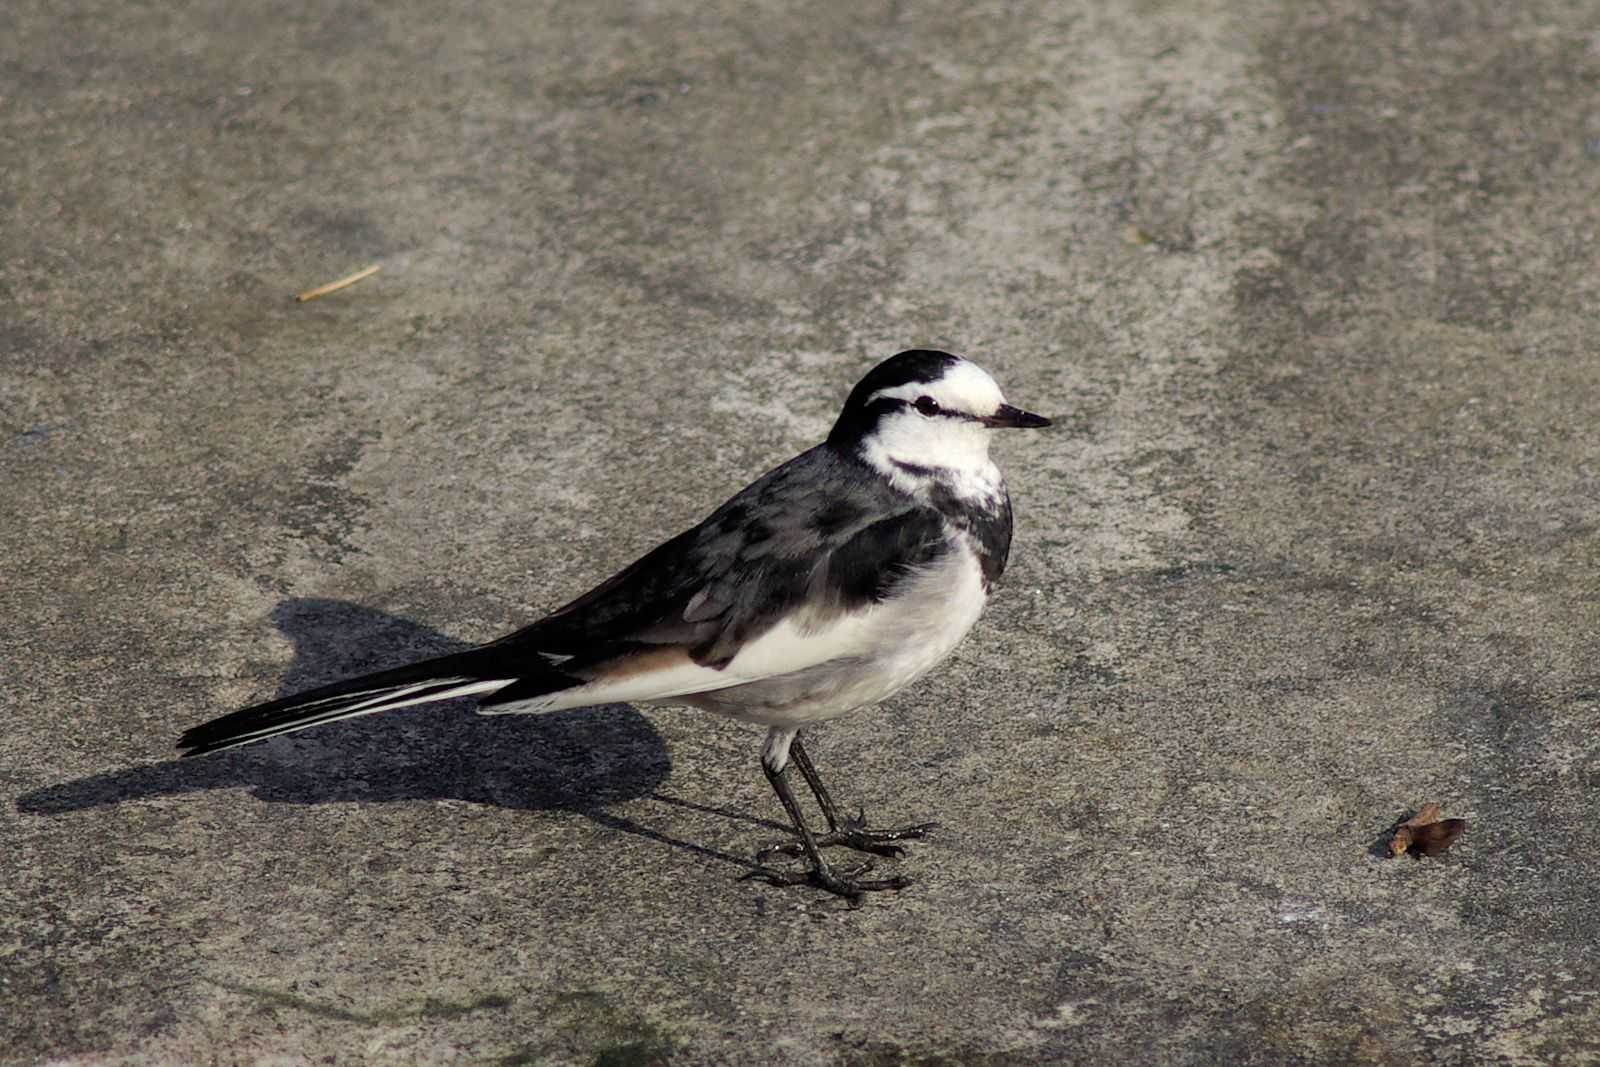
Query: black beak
[(1010, 418)]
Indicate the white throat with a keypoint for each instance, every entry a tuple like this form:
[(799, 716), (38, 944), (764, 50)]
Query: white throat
[(918, 454)]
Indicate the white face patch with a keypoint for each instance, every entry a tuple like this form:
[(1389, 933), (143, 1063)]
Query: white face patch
[(958, 448), (965, 387)]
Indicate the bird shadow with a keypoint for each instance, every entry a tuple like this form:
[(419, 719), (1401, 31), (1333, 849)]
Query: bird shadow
[(580, 760)]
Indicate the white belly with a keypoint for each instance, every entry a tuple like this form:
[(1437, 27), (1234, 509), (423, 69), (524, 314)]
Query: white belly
[(876, 652)]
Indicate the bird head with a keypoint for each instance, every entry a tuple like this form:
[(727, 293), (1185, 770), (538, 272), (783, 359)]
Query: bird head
[(926, 411)]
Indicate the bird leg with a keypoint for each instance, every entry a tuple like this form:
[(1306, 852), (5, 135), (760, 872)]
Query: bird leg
[(848, 884), (851, 833)]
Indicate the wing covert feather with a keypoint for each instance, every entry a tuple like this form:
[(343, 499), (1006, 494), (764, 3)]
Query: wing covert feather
[(817, 531)]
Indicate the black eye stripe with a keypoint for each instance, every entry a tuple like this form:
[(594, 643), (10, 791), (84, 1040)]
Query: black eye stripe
[(935, 410)]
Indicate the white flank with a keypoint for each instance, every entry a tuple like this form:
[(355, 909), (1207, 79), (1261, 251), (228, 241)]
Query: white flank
[(793, 674), (874, 653)]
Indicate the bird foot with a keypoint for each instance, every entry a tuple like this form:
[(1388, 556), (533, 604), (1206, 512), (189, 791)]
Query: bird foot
[(848, 884), (854, 834)]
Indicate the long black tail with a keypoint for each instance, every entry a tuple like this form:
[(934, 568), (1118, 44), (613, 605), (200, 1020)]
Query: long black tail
[(478, 670)]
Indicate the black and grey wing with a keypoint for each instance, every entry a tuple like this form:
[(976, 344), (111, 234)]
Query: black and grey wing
[(807, 543)]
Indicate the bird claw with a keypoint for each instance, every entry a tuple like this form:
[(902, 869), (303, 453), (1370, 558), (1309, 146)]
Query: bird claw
[(848, 884), (855, 834)]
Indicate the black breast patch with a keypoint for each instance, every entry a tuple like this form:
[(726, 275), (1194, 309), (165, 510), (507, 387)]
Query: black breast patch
[(991, 528), (867, 567)]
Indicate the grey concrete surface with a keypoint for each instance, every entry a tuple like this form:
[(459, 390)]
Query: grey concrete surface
[(1311, 287)]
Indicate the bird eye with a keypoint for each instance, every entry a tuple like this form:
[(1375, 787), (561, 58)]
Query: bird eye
[(927, 405)]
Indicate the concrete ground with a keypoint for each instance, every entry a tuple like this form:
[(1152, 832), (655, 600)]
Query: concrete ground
[(1311, 287)]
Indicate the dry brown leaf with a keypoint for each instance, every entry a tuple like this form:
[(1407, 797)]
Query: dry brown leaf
[(1426, 833), (1435, 837)]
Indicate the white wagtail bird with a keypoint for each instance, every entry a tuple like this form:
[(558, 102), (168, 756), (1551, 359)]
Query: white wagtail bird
[(824, 586)]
